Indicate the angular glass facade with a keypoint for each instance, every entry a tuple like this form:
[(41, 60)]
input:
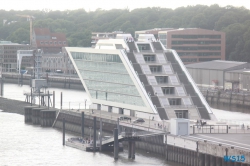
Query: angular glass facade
[(106, 78)]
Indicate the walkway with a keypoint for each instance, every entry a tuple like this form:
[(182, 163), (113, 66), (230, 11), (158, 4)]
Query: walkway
[(241, 141)]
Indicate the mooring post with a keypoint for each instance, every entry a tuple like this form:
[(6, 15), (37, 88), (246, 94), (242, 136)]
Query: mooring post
[(47, 77), (207, 95), (100, 137), (48, 100), (82, 124), (116, 144), (94, 142), (31, 96), (166, 147), (21, 79), (230, 98), (118, 126), (39, 98), (129, 149), (54, 99), (133, 150), (61, 99), (63, 131), (2, 82), (218, 96)]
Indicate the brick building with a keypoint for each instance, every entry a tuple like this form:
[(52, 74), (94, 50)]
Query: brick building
[(47, 41)]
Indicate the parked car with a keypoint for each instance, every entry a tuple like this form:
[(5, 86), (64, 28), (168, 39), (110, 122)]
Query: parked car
[(139, 120), (124, 118)]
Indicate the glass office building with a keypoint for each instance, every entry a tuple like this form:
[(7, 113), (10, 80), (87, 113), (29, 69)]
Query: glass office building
[(140, 79)]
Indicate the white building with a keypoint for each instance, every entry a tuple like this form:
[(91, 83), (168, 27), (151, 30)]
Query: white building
[(140, 79)]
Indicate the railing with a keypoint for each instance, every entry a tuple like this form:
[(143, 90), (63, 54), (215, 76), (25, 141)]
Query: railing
[(140, 134), (220, 129), (180, 106)]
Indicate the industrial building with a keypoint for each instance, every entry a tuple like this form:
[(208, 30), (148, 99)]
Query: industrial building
[(192, 44), (141, 79), (238, 79), (220, 74)]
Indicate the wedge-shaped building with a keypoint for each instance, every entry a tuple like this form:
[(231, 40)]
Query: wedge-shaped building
[(141, 79)]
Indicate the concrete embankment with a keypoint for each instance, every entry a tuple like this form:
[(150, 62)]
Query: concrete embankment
[(58, 82), (228, 100)]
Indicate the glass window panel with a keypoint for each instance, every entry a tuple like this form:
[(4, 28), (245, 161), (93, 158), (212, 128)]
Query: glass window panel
[(106, 78)]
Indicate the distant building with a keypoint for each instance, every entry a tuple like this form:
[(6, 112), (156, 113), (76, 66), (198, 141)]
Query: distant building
[(47, 41), (103, 35), (238, 79), (220, 74), (57, 62), (8, 54), (54, 58), (192, 44), (154, 31)]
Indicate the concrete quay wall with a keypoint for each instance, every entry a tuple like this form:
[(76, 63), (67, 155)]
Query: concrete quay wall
[(228, 100), (199, 153), (52, 82)]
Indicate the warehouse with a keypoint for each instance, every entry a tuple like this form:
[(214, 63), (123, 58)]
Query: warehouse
[(213, 73)]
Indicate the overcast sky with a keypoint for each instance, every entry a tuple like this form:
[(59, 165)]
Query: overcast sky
[(110, 4)]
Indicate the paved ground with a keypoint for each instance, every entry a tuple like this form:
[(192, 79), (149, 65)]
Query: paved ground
[(236, 140)]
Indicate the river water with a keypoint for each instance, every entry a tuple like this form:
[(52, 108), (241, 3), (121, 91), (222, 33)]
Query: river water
[(23, 144)]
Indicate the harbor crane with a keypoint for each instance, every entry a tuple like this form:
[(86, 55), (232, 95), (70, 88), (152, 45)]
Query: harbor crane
[(30, 18)]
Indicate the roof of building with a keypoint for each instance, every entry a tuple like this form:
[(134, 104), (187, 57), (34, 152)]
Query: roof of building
[(155, 29), (216, 65), (190, 30), (10, 43), (240, 71)]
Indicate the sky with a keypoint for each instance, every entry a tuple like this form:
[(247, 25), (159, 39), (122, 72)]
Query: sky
[(91, 5)]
